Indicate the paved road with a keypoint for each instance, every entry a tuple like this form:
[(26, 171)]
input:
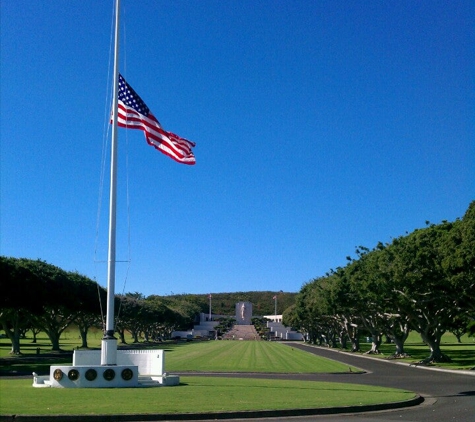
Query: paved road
[(448, 396)]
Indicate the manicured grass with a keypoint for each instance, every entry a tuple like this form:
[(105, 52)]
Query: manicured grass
[(202, 356), (194, 394), (247, 356), (21, 366), (462, 354), (209, 356)]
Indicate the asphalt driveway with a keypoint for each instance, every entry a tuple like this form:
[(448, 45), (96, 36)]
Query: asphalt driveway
[(448, 395)]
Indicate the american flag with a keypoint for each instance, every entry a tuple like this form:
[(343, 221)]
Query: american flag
[(133, 113)]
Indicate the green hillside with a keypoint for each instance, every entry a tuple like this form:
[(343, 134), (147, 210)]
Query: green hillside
[(224, 303)]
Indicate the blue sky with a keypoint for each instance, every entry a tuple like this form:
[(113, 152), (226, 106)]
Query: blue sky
[(319, 126)]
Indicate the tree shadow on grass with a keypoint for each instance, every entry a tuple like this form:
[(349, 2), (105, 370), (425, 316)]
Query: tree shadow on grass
[(25, 365)]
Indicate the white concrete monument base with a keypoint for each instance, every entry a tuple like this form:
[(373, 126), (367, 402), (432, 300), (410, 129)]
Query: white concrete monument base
[(135, 368)]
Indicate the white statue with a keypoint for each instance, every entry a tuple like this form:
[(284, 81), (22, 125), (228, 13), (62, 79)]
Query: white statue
[(243, 311)]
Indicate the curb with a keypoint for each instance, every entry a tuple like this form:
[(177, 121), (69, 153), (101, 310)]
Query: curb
[(252, 414)]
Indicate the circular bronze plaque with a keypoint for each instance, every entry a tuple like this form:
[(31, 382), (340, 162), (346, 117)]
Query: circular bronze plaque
[(127, 374), (91, 374), (58, 374), (73, 374), (109, 374)]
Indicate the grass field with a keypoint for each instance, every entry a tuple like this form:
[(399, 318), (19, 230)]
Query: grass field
[(206, 394), (194, 394), (248, 356), (205, 356), (462, 354)]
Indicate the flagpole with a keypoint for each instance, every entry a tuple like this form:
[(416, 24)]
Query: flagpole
[(109, 342), (210, 307), (275, 305)]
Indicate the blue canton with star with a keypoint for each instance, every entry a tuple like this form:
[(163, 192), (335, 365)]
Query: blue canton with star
[(130, 98)]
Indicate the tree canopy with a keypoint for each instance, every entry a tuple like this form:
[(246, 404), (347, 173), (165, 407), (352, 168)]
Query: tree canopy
[(423, 281)]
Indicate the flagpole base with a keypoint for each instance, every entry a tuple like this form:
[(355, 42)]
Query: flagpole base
[(109, 351), (135, 368)]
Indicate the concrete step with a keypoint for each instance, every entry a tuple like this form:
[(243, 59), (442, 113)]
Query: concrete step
[(242, 332)]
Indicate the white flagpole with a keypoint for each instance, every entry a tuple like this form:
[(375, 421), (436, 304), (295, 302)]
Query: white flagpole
[(109, 342), (210, 307)]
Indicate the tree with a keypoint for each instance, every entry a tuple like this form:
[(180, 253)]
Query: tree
[(172, 314), (365, 289), (128, 316), (307, 312), (425, 293), (423, 281), (344, 306), (35, 331), (20, 300), (459, 259), (65, 295), (40, 296), (372, 283)]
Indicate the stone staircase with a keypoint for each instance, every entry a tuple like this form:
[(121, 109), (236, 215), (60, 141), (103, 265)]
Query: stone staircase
[(242, 332)]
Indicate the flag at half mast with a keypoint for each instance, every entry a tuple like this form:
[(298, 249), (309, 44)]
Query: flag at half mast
[(133, 113)]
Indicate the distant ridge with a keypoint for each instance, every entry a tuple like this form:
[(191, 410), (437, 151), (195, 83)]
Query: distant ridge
[(224, 303)]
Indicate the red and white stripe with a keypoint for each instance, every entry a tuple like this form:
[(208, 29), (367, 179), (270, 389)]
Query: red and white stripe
[(167, 142)]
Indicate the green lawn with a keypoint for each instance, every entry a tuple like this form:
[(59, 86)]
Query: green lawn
[(462, 354), (206, 356), (247, 356), (194, 394)]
